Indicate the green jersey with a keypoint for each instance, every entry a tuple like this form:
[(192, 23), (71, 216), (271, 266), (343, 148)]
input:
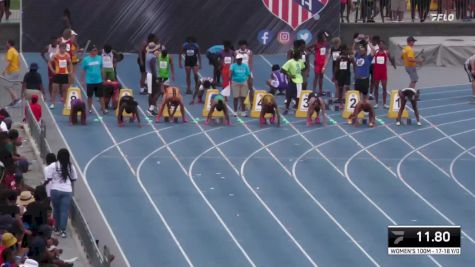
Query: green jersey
[(163, 66)]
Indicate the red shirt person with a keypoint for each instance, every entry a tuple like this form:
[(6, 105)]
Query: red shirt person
[(380, 73), (321, 51)]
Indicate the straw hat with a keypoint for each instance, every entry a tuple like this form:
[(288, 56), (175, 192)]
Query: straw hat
[(25, 198)]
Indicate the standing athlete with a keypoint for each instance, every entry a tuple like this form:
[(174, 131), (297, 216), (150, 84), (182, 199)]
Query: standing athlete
[(410, 62), (151, 77), (192, 61), (47, 54), (362, 67), (412, 95), (321, 52), (343, 72), (165, 66), (227, 58), (380, 73), (335, 52), (151, 38), (61, 66), (470, 69), (293, 68)]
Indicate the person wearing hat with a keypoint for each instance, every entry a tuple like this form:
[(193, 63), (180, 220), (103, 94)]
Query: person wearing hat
[(92, 74), (32, 83), (240, 74), (410, 61)]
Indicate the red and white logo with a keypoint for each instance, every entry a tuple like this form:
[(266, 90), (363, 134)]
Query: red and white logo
[(295, 12)]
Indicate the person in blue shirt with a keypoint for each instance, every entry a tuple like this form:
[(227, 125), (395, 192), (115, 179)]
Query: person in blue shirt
[(240, 74), (214, 54), (362, 65), (191, 50), (92, 72)]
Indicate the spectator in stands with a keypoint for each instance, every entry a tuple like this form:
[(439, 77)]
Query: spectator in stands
[(8, 206), (345, 4), (35, 107), (49, 159), (12, 70), (398, 8), (37, 211), (61, 175), (32, 83)]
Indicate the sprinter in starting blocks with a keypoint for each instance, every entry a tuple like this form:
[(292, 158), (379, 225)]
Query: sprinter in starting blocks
[(362, 107), (269, 107), (215, 107), (316, 105), (172, 105)]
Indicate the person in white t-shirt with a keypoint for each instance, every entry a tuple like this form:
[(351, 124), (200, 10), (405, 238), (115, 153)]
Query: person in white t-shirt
[(61, 174)]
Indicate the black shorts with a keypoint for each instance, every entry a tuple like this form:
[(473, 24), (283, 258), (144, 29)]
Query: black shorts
[(291, 91), (61, 79), (162, 80), (191, 61), (141, 66), (371, 70), (95, 89), (409, 94), (362, 85), (108, 91), (343, 78)]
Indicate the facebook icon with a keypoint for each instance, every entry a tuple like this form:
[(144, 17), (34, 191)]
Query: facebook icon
[(264, 37)]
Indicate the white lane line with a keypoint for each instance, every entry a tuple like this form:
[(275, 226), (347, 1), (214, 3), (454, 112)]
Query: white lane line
[(446, 113), (269, 210), (452, 173), (299, 133), (155, 207), (414, 150), (208, 203), (314, 199), (109, 228), (444, 92), (444, 106), (418, 194)]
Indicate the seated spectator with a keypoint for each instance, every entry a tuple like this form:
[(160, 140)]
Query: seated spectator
[(24, 199), (32, 83), (37, 212), (35, 107), (20, 183), (38, 249), (6, 222), (9, 241)]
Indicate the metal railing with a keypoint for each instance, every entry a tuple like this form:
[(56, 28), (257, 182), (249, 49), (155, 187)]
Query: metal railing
[(90, 244)]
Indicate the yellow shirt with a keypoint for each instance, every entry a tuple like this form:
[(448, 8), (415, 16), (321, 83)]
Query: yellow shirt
[(407, 53), (13, 59)]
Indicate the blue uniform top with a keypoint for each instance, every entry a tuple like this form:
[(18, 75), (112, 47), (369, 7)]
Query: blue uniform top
[(363, 65), (191, 49), (240, 73)]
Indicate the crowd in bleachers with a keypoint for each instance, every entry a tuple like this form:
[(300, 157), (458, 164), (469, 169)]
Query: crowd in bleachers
[(395, 10), (27, 220)]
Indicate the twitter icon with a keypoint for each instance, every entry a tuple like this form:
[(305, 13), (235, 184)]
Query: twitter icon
[(305, 35)]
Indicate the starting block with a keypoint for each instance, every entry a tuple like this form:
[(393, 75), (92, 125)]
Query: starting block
[(395, 105), (257, 104), (122, 93), (207, 106), (177, 115), (303, 105), (351, 100), (72, 93)]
